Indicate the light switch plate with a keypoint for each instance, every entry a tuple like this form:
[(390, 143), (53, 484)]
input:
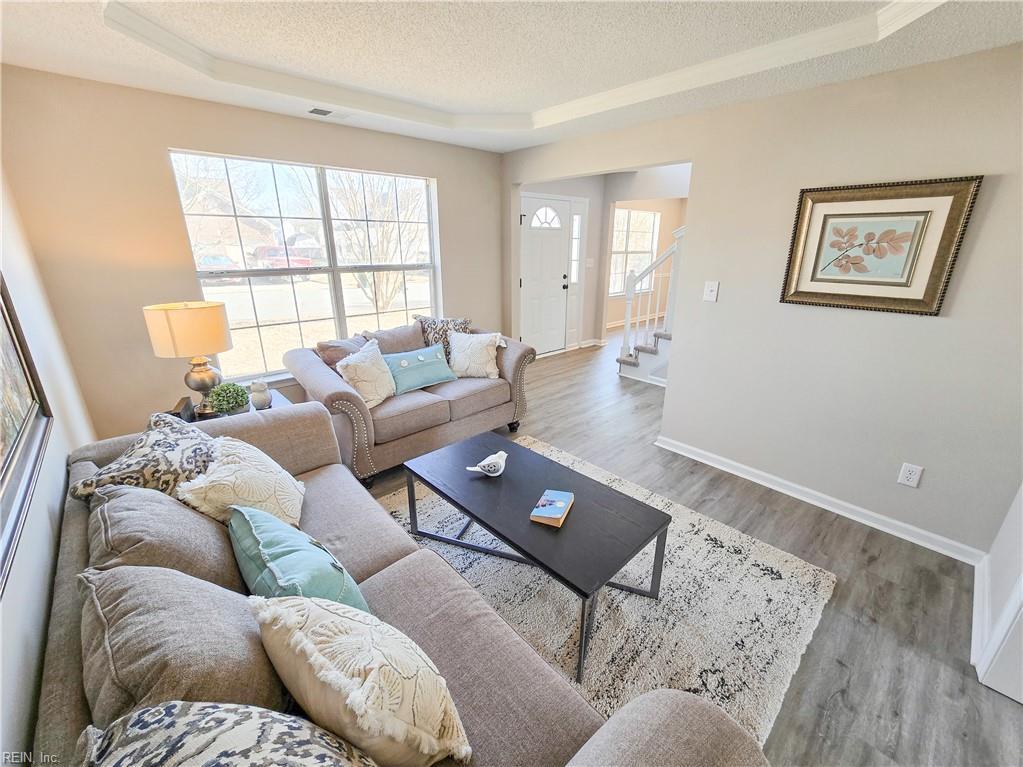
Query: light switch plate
[(710, 290)]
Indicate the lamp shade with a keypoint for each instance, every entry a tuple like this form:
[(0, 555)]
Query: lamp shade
[(188, 328)]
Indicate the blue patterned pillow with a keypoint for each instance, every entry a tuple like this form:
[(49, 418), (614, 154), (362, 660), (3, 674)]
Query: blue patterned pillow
[(183, 734), (418, 368)]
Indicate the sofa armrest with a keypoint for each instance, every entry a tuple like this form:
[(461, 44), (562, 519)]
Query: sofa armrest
[(323, 385), (670, 727), (511, 364)]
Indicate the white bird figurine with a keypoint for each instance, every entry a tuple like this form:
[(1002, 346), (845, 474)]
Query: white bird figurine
[(492, 465)]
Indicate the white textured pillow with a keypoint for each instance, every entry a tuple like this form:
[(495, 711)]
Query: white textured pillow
[(244, 475), (362, 679), (368, 373), (474, 355)]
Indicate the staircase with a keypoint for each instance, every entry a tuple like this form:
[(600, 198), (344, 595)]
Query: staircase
[(648, 317)]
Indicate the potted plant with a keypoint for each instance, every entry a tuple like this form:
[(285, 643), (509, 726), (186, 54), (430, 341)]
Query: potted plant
[(229, 399)]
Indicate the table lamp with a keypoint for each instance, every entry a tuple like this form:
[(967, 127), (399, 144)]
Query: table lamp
[(191, 329)]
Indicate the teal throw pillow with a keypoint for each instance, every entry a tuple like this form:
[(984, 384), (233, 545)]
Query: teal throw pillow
[(419, 368), (276, 560)]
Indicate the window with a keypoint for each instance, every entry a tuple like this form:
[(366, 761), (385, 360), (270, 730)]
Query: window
[(301, 254), (545, 218), (577, 236), (632, 247)]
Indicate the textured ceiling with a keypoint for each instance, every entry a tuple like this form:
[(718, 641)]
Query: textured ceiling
[(486, 57)]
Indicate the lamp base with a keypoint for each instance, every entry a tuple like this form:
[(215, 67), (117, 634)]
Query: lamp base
[(201, 378)]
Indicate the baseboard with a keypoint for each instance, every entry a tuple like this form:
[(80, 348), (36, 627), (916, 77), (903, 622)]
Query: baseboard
[(981, 609), (592, 342), (995, 636), (907, 532)]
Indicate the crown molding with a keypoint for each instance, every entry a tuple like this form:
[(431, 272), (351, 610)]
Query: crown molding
[(854, 33)]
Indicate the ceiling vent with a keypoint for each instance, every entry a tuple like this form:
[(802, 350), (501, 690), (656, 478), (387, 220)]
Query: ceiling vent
[(320, 112)]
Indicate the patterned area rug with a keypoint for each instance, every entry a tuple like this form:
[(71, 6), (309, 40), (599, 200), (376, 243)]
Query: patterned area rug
[(732, 622)]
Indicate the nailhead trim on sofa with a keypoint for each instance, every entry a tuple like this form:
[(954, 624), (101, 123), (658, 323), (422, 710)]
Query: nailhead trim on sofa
[(361, 438), (520, 385)]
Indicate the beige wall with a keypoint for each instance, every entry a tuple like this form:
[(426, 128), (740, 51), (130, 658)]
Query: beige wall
[(87, 164), (835, 399), (673, 215), (26, 599)]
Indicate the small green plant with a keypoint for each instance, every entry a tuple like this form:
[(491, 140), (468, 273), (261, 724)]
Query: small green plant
[(228, 397)]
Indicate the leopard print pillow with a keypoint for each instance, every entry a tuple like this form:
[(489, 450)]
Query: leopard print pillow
[(167, 453), (437, 329)]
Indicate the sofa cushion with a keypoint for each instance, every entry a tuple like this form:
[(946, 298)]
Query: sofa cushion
[(181, 733), (151, 634), (418, 369), (506, 695), (407, 414), (168, 452), (467, 396), (332, 352), (437, 329), (406, 338), (366, 371), (340, 514), (137, 526), (277, 560), (362, 679), (243, 474)]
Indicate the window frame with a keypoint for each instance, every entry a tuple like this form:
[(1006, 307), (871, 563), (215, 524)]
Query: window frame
[(655, 234), (333, 269)]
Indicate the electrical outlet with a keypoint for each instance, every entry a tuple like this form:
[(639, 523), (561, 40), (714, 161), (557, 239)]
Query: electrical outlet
[(710, 290), (909, 475)]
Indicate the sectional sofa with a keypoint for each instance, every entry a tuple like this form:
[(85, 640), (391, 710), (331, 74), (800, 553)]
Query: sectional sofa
[(516, 709)]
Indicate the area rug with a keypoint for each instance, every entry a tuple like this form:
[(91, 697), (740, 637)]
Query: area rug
[(732, 622)]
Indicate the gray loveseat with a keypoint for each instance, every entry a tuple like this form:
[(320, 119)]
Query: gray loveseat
[(416, 422), (516, 709)]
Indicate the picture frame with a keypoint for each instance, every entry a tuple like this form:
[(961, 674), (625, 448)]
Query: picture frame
[(887, 247), (25, 425)]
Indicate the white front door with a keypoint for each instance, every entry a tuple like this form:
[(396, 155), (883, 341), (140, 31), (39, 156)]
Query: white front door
[(546, 244)]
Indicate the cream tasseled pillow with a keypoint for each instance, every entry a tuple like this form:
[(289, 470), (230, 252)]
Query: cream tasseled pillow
[(474, 355), (244, 475), (368, 374), (362, 679)]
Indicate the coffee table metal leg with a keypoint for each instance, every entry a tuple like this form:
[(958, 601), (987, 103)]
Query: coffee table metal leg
[(585, 625), (468, 524), (410, 484), (655, 578)]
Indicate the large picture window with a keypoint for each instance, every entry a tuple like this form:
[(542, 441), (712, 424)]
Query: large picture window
[(301, 254), (633, 245)]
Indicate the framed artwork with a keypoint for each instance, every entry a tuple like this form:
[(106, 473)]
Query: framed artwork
[(887, 247), (25, 422)]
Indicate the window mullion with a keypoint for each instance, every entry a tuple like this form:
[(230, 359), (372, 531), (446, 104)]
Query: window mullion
[(337, 297)]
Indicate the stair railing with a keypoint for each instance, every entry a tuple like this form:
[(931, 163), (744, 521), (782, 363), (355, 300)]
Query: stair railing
[(640, 329)]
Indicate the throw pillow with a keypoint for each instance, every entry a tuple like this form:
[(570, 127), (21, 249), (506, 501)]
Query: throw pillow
[(244, 475), (135, 526), (279, 561), (474, 355), (405, 338), (437, 329), (414, 370), (168, 452), (150, 634), (368, 374), (363, 680), (181, 734), (332, 352)]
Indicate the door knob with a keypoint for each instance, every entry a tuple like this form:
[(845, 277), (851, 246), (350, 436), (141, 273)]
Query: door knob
[(564, 276), (564, 287)]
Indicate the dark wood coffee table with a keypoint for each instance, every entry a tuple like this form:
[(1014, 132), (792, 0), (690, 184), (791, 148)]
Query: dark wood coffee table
[(604, 530)]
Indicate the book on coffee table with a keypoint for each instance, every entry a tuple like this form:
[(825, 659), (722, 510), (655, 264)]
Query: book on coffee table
[(552, 508)]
